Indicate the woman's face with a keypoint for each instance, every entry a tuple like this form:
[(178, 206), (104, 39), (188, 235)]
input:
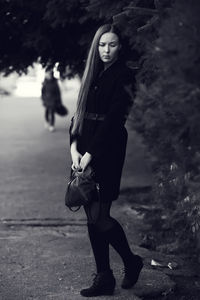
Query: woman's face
[(109, 48)]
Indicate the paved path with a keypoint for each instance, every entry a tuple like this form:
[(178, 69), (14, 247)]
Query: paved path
[(44, 248)]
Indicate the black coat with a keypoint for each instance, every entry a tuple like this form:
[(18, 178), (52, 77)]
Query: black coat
[(106, 140), (51, 96)]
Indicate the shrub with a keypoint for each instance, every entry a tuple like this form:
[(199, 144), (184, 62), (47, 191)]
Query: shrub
[(167, 114)]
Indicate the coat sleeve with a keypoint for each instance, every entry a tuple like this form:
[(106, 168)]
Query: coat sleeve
[(122, 101)]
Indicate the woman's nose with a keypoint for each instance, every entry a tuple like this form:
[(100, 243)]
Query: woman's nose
[(107, 49)]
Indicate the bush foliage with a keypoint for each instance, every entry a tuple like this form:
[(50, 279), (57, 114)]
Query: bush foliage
[(167, 114)]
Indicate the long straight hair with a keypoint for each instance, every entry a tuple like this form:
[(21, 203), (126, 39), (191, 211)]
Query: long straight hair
[(92, 68)]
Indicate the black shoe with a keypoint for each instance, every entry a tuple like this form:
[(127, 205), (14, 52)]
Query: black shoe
[(103, 284), (132, 272)]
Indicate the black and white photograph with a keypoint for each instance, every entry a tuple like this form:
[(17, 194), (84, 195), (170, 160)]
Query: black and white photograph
[(100, 149)]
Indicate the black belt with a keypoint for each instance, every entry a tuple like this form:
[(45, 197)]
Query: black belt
[(93, 116)]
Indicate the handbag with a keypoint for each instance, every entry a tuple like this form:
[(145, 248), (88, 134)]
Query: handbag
[(61, 110), (81, 189)]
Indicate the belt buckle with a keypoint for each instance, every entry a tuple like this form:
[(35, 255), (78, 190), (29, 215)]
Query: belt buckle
[(96, 116)]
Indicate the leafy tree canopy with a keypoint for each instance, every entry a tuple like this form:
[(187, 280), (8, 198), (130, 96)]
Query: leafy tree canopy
[(48, 30), (58, 30)]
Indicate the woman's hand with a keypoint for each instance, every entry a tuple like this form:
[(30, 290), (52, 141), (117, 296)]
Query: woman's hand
[(76, 157), (85, 160)]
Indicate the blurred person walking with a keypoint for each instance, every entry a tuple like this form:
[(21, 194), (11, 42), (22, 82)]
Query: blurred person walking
[(98, 139), (51, 98)]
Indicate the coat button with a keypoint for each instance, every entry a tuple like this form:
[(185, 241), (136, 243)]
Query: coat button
[(96, 87)]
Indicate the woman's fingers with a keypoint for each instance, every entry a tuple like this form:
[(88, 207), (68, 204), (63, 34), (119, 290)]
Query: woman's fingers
[(76, 158), (83, 164), (73, 167), (85, 160)]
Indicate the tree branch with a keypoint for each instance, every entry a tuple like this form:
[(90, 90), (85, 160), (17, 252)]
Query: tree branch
[(142, 10), (148, 24)]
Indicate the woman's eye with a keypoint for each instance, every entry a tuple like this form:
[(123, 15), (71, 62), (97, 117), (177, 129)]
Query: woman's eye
[(110, 45), (113, 45)]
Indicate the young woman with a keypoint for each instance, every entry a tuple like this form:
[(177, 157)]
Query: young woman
[(98, 138), (51, 98)]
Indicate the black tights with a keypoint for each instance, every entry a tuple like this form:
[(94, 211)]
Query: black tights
[(49, 116), (104, 230), (99, 215)]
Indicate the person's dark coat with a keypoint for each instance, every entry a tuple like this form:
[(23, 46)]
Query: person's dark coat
[(106, 140), (51, 97)]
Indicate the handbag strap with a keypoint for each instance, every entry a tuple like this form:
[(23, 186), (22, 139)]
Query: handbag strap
[(99, 200), (74, 209)]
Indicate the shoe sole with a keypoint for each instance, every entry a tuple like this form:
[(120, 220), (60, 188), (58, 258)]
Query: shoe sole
[(99, 294), (103, 293)]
